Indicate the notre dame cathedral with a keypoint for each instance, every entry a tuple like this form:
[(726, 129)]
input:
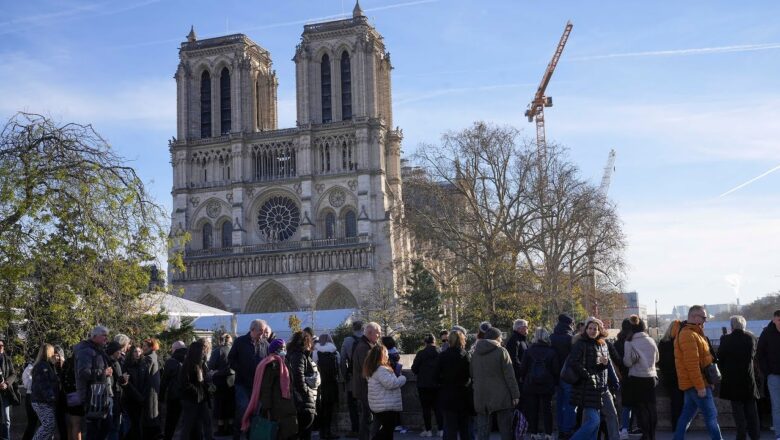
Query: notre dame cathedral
[(293, 218)]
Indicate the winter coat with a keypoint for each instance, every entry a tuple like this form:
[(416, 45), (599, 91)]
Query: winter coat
[(133, 395), (424, 367), (193, 384), (666, 367), (151, 416), (244, 358), (10, 394), (640, 355), (384, 391), (769, 350), (516, 345), (594, 377), (535, 381), (347, 347), (620, 348), (91, 363), (327, 359), (453, 374), (561, 341), (220, 365), (281, 410), (359, 383), (735, 360), (45, 384), (495, 385), (691, 354), (169, 382), (301, 366)]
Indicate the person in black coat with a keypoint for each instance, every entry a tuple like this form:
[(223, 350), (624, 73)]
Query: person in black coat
[(590, 360), (539, 370), (560, 340), (326, 356), (456, 398), (516, 345), (170, 391), (424, 367), (305, 381), (194, 394), (668, 373), (224, 378), (45, 389), (736, 352), (133, 394)]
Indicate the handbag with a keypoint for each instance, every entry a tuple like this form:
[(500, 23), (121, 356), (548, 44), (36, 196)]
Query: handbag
[(263, 428), (712, 374), (98, 402), (568, 374)]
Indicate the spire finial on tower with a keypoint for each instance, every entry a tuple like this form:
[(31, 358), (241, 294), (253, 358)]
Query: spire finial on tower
[(357, 11), (191, 37)]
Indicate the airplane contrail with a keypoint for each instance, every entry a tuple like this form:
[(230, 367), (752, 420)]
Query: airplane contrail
[(676, 52), (760, 176)]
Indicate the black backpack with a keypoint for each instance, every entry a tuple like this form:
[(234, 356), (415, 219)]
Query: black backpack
[(539, 374), (326, 362)]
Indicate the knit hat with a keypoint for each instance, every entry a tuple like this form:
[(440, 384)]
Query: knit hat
[(565, 319), (177, 346), (492, 333), (484, 326), (112, 347), (594, 319), (457, 328), (276, 345)]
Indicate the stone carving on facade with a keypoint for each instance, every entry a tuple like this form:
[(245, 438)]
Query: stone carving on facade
[(337, 198), (298, 188), (352, 184), (237, 226), (229, 197), (319, 187), (306, 220), (250, 192), (213, 209), (363, 214), (195, 201)]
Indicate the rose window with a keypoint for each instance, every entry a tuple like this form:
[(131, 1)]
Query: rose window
[(278, 218)]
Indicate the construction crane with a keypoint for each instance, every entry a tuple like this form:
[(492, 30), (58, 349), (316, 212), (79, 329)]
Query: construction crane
[(606, 179), (535, 109)]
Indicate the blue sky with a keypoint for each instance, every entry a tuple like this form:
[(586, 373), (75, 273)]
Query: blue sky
[(685, 92)]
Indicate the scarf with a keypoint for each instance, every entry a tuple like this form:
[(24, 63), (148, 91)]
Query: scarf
[(254, 401)]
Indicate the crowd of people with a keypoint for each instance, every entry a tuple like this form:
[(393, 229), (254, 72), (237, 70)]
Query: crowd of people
[(115, 388)]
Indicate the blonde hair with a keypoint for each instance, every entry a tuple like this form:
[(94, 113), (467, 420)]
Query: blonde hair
[(457, 340), (45, 353), (377, 357)]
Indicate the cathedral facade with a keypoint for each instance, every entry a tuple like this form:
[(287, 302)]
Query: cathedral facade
[(295, 218)]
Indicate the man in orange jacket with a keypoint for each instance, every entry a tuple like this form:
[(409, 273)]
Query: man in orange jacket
[(691, 356)]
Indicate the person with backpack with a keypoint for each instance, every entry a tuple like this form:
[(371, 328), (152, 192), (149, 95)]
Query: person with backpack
[(640, 356), (424, 367), (347, 347), (93, 382), (326, 356), (539, 370), (170, 391)]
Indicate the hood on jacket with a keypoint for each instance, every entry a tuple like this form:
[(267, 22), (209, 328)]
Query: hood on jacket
[(676, 327), (485, 346), (180, 354), (327, 348), (563, 329)]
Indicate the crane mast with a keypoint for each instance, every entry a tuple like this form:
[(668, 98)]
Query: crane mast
[(535, 109)]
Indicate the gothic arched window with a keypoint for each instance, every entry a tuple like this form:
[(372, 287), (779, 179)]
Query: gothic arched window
[(350, 224), (207, 233), (327, 113), (227, 234), (346, 87), (205, 105), (224, 100), (330, 225)]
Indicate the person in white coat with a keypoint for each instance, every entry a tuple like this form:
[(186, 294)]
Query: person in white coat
[(641, 355), (384, 391)]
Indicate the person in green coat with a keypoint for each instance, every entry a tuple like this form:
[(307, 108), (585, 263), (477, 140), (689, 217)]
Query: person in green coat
[(495, 387)]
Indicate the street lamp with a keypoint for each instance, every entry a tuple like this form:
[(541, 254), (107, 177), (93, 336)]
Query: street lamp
[(656, 314)]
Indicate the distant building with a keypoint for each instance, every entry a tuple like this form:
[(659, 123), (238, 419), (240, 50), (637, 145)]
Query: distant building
[(632, 307), (681, 312)]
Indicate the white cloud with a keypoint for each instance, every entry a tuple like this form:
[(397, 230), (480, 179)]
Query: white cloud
[(28, 85), (681, 254)]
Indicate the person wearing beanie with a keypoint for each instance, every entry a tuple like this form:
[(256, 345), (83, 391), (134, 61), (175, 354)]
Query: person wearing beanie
[(495, 387), (170, 391), (590, 359), (561, 341), (516, 345)]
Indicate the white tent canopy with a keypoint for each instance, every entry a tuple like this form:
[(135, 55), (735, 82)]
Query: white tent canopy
[(325, 321), (177, 308)]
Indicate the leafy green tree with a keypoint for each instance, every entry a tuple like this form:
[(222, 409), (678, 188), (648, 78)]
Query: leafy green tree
[(294, 322), (423, 301), (78, 230)]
